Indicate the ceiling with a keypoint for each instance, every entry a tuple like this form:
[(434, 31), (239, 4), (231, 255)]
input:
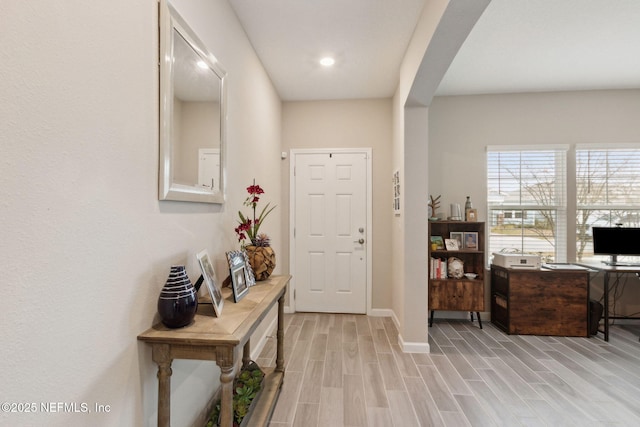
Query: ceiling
[(516, 46)]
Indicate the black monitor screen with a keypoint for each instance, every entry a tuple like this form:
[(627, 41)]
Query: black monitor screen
[(616, 241)]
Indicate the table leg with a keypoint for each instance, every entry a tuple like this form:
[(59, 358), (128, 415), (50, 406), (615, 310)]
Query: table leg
[(162, 356), (224, 359), (280, 336), (606, 306), (246, 354)]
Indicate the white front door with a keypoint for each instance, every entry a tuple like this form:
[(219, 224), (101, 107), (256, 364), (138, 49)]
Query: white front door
[(330, 220), (209, 168)]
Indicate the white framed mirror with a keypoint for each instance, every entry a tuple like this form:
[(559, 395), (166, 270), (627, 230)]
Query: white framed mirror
[(192, 115)]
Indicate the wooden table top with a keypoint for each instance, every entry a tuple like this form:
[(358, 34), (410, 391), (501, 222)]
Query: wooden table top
[(236, 323)]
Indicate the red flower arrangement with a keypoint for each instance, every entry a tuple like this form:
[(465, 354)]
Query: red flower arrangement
[(248, 227)]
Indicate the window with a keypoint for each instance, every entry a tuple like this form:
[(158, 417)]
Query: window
[(607, 192), (526, 189)]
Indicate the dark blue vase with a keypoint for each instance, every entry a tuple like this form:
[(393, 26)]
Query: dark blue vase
[(178, 301)]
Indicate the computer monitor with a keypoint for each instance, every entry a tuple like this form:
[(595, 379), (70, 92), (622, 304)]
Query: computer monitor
[(616, 241)]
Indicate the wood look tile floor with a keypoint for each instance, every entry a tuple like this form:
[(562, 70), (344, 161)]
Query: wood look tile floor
[(348, 370)]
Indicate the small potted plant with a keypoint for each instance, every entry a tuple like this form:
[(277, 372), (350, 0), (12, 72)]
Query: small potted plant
[(261, 255), (246, 388)]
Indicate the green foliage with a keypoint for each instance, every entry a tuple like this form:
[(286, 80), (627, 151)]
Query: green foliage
[(246, 387)]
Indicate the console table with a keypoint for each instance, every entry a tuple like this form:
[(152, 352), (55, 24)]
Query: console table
[(219, 338)]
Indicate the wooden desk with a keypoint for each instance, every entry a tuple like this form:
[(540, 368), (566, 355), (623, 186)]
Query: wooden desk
[(540, 302), (608, 270), (212, 338)]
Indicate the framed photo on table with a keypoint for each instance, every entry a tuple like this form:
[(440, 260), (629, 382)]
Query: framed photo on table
[(209, 276), (235, 257), (239, 281)]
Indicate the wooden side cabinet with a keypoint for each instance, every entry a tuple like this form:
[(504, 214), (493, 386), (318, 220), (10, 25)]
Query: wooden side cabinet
[(540, 302), (457, 294)]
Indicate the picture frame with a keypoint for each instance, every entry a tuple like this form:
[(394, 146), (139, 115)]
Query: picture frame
[(234, 257), (451, 244), (472, 215), (396, 192), (459, 236), (209, 276), (471, 240), (438, 241), (239, 281)]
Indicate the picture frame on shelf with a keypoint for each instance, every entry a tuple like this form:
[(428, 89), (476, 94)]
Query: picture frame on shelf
[(209, 276), (438, 242), (239, 281), (451, 244), (471, 240), (459, 236), (472, 215)]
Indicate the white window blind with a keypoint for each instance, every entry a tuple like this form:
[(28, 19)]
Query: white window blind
[(527, 206), (607, 191)]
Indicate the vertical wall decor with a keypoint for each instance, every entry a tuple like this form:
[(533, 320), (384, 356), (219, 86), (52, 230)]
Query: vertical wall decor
[(396, 193)]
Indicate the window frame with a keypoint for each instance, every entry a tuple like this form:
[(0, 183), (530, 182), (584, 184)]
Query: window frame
[(559, 211)]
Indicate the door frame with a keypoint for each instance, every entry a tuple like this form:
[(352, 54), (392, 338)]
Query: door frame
[(292, 220)]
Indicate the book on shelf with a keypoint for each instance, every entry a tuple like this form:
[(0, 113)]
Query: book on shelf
[(438, 268)]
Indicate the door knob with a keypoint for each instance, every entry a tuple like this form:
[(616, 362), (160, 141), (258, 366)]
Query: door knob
[(360, 240)]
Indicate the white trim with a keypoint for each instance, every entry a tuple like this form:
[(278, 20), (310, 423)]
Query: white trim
[(413, 347), (292, 247), (383, 312), (608, 146), (541, 147), (408, 347)]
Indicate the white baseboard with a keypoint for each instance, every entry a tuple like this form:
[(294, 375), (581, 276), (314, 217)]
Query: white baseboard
[(413, 347), (406, 347), (381, 312)]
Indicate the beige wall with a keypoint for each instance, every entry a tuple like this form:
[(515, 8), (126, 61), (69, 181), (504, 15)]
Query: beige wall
[(349, 124), (442, 27), (86, 246), (460, 128)]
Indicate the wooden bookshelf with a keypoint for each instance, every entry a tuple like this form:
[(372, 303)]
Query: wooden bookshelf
[(458, 294)]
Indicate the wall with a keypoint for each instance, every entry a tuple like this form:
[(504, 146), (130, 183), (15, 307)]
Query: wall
[(462, 126), (442, 27), (86, 246), (411, 324), (349, 124)]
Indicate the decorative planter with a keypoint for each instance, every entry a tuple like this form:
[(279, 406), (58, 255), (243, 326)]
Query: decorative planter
[(262, 260), (178, 301)]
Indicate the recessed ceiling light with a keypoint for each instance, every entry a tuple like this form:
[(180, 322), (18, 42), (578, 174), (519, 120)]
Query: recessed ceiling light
[(202, 65), (327, 61)]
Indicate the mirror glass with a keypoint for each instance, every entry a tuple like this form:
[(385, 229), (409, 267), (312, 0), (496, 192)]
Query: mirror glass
[(192, 115)]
